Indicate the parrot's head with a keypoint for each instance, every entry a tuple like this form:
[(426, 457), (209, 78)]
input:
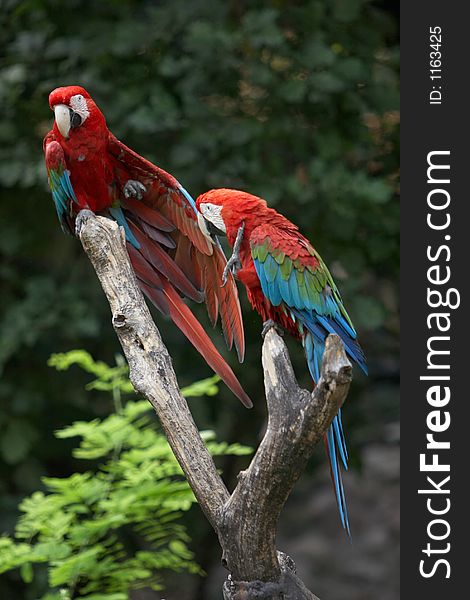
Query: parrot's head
[(75, 111), (222, 211)]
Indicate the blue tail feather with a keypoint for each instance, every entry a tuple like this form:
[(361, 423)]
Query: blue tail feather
[(314, 344), (340, 441), (321, 326), (341, 435), (353, 350), (118, 215), (337, 479)]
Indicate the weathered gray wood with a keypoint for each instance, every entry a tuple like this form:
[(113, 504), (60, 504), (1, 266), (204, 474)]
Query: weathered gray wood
[(246, 521), (151, 369), (297, 420)]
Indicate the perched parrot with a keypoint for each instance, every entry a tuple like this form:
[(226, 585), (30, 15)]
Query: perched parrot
[(289, 285), (88, 168)]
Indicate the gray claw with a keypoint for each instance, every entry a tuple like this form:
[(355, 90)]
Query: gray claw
[(82, 216), (134, 189), (233, 265)]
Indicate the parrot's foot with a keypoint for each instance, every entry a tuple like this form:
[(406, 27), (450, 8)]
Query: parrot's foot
[(269, 324), (82, 216), (134, 189), (233, 266), (234, 263)]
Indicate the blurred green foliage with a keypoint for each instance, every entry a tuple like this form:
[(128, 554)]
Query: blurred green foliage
[(88, 527), (296, 101)]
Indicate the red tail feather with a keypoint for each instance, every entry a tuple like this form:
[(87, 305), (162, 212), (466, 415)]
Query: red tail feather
[(156, 235), (192, 329), (143, 269), (156, 296), (147, 214), (223, 300), (184, 258), (164, 264), (230, 311)]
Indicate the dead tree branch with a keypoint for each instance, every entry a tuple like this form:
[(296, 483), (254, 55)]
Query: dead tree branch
[(246, 520)]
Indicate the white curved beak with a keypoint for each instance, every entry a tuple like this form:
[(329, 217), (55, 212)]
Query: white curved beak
[(203, 227), (62, 118)]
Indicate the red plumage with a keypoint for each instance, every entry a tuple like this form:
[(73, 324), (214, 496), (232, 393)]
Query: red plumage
[(287, 282), (89, 168), (238, 207)]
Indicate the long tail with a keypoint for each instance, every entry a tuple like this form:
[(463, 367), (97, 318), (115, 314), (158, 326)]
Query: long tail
[(334, 439), (332, 447), (183, 318), (163, 295)]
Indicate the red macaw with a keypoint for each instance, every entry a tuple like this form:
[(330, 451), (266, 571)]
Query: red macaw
[(88, 168), (288, 284)]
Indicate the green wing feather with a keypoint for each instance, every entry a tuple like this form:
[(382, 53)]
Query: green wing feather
[(291, 281), (60, 184)]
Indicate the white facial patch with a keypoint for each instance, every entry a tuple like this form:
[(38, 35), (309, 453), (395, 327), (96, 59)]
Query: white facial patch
[(213, 213), (78, 104)]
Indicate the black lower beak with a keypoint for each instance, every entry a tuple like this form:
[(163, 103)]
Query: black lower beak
[(213, 230), (75, 119)]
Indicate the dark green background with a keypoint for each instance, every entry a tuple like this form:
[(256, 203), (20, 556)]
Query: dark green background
[(293, 101)]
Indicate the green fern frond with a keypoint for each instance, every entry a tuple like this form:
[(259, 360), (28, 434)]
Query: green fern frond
[(79, 525)]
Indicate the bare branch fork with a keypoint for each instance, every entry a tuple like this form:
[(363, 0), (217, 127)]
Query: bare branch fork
[(246, 520)]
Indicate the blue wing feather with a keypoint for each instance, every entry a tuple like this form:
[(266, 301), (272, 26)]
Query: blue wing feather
[(317, 313), (189, 198), (62, 194), (271, 268), (118, 215)]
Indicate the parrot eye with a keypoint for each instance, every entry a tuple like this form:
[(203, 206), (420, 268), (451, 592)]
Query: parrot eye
[(80, 112), (75, 120)]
